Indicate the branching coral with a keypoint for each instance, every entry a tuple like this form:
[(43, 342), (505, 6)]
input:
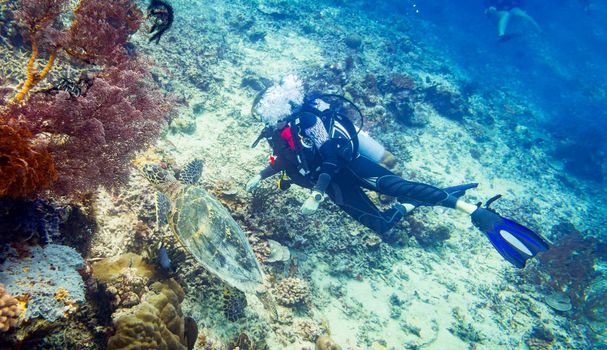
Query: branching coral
[(292, 291), (36, 16), (25, 165)]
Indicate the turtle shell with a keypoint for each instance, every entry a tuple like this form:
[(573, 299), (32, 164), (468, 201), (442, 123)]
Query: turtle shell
[(209, 232)]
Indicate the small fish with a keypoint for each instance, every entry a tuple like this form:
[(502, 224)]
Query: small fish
[(163, 258)]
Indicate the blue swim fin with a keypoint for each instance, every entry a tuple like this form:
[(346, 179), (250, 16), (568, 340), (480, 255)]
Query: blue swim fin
[(515, 242)]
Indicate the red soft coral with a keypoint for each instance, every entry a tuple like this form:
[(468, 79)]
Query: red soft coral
[(25, 165), (94, 137), (101, 29)]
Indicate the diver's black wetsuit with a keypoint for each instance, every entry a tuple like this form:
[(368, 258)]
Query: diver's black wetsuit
[(343, 181), (504, 5)]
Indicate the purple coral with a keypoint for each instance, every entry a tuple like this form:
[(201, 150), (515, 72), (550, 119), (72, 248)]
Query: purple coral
[(93, 137)]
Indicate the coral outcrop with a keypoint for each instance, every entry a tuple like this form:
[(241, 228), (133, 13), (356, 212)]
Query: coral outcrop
[(324, 342), (156, 323), (125, 277), (147, 314), (292, 291), (9, 312), (49, 277)]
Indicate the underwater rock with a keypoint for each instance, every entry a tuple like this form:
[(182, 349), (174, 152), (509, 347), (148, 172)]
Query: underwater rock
[(255, 83), (402, 111), (425, 236), (24, 219), (257, 35), (278, 252), (353, 41), (156, 323), (448, 104), (400, 82), (325, 343), (540, 339), (49, 277), (309, 330), (9, 310), (559, 301), (182, 125)]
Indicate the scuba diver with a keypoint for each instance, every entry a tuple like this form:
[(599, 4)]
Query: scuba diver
[(504, 10), (316, 146), (162, 14)]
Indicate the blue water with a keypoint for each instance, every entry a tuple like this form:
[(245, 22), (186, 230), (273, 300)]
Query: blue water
[(561, 70)]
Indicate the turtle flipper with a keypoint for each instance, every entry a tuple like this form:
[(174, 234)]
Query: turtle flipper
[(163, 207), (192, 172)]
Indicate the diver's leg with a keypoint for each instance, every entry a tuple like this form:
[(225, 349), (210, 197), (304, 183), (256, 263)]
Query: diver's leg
[(377, 178), (524, 15), (502, 22), (346, 193)]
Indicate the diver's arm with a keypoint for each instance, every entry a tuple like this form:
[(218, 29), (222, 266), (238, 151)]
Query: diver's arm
[(329, 167)]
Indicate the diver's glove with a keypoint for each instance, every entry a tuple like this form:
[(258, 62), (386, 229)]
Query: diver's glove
[(311, 204), (254, 183)]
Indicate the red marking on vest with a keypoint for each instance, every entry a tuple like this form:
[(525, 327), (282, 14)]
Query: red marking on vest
[(272, 160), (287, 135)]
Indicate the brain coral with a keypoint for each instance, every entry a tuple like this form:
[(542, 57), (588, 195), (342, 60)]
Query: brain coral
[(156, 323), (46, 273)]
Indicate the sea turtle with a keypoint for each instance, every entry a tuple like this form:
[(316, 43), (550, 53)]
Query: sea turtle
[(204, 226)]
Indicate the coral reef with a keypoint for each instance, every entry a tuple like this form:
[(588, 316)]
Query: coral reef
[(427, 236), (89, 136), (9, 311), (101, 29), (241, 342), (24, 220), (447, 103), (92, 138), (326, 343), (49, 278), (570, 263), (292, 291), (156, 323), (309, 330), (125, 278), (25, 164)]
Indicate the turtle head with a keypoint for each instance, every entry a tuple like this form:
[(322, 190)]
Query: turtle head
[(156, 174)]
